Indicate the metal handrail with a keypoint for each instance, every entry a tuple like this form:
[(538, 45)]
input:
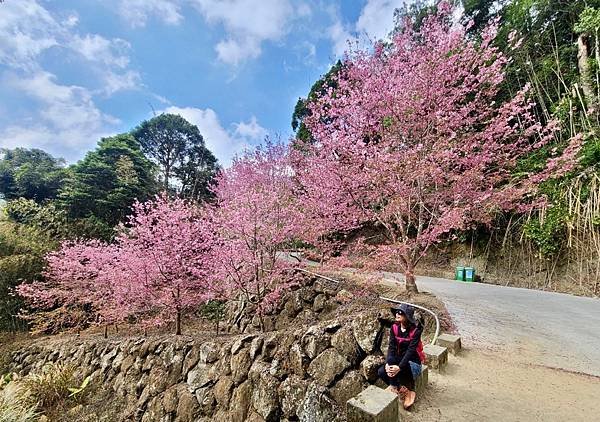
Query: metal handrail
[(437, 320)]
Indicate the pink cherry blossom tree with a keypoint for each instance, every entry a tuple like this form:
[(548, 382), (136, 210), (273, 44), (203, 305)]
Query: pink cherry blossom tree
[(414, 141), (158, 269), (256, 214), (164, 267), (77, 287)]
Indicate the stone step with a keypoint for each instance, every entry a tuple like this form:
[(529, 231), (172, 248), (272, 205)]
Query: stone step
[(422, 381), (437, 356), (373, 405), (451, 342)]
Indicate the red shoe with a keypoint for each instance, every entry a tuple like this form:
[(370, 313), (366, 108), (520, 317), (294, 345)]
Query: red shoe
[(409, 398)]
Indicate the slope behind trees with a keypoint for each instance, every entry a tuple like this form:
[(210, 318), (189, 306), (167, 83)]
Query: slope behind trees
[(22, 251), (178, 148)]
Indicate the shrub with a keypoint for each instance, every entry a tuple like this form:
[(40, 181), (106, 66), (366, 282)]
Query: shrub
[(214, 311), (50, 387)]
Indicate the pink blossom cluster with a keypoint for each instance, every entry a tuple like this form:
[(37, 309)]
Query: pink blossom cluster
[(256, 214), (414, 141), (170, 256), (157, 269)]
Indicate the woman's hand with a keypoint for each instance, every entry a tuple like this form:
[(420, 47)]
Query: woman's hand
[(391, 370)]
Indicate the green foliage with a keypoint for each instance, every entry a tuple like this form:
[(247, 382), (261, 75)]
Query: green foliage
[(213, 310), (77, 392), (302, 108), (179, 149), (589, 21), (479, 11), (22, 251), (31, 174), (50, 391), (46, 218), (590, 153), (50, 387), (102, 187), (548, 235)]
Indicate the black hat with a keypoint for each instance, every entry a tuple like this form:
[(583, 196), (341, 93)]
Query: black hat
[(405, 309)]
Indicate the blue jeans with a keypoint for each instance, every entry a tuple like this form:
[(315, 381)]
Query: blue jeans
[(404, 377)]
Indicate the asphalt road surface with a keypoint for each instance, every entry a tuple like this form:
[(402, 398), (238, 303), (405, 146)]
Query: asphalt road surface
[(545, 328), (530, 326)]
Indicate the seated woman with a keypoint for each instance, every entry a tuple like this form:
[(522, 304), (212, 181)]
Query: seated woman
[(403, 362)]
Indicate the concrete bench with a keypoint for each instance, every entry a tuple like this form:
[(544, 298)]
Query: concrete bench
[(373, 405), (451, 342), (437, 356)]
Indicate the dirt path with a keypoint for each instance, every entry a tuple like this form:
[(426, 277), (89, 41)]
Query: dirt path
[(481, 385)]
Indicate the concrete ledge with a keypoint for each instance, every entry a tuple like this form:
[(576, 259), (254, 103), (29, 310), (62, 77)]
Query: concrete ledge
[(451, 342), (437, 356), (373, 405), (422, 380)]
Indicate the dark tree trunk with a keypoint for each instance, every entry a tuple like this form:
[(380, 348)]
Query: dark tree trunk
[(178, 324)]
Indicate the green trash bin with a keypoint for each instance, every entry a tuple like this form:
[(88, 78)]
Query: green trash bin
[(459, 274), (469, 274)]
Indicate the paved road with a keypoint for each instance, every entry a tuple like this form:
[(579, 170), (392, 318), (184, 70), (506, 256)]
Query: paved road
[(551, 329), (545, 328)]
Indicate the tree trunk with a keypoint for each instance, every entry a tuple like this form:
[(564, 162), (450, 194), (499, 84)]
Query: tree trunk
[(178, 324), (583, 64), (106, 331), (409, 276), (597, 54)]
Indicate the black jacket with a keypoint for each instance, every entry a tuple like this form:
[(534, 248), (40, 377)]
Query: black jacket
[(401, 353)]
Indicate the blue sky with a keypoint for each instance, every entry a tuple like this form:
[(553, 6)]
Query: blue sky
[(74, 71)]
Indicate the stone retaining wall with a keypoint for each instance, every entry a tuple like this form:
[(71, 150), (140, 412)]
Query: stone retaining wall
[(304, 373)]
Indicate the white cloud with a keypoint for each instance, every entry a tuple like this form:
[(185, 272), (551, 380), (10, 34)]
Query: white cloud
[(339, 37), (137, 12), (375, 22), (71, 20), (114, 82), (251, 130), (111, 57), (303, 10), (26, 30), (99, 49), (62, 119), (234, 51), (377, 18), (67, 122), (247, 23), (225, 144)]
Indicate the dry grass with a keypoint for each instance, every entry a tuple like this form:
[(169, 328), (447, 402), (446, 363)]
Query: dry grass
[(49, 388), (15, 404)]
